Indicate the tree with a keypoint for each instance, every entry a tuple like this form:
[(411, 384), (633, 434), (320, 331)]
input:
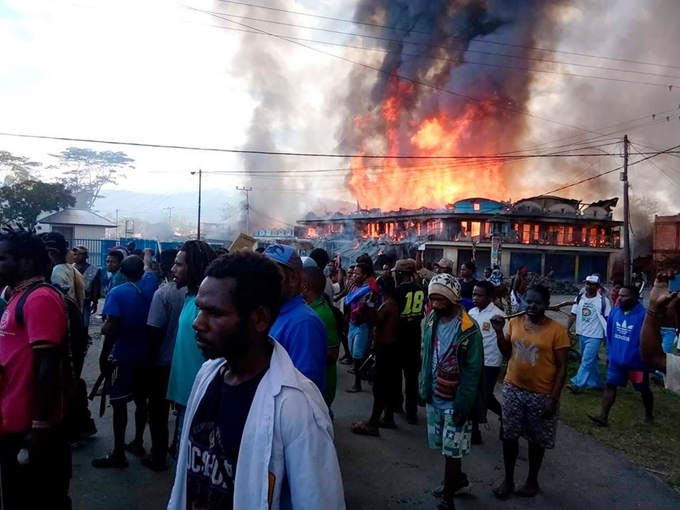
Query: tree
[(86, 171), (17, 168), (24, 201)]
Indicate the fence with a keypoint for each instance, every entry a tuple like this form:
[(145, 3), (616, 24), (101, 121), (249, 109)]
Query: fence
[(99, 248)]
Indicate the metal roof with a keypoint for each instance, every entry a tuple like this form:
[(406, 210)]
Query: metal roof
[(77, 217)]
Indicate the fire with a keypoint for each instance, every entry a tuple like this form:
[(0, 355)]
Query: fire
[(410, 184), (311, 232)]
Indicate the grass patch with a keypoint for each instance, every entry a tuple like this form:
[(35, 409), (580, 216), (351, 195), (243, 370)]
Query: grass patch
[(656, 448)]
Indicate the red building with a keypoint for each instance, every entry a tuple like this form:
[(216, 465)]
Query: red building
[(666, 237)]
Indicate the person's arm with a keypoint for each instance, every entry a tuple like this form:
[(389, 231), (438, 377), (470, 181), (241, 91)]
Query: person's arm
[(571, 321), (110, 331), (561, 360), (96, 291), (312, 470), (470, 373), (148, 260), (502, 337), (46, 330), (419, 260), (650, 336)]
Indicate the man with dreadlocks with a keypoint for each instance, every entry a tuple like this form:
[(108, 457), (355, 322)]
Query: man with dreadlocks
[(193, 258), (34, 453)]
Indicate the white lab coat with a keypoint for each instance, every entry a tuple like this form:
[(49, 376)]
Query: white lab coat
[(287, 459)]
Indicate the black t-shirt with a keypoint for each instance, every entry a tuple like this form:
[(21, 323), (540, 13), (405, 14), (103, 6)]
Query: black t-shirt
[(411, 300), (214, 442), (466, 288)]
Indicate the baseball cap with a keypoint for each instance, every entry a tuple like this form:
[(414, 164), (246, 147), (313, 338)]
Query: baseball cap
[(448, 263), (308, 262), (81, 249), (284, 255), (55, 241), (593, 278), (405, 266)]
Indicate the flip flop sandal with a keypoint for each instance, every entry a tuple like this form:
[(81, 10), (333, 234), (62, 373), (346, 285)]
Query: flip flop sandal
[(386, 424), (109, 461), (353, 390), (597, 421), (360, 428), (135, 449), (526, 492)]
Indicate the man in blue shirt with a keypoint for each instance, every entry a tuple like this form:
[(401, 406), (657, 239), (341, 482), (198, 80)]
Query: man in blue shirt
[(624, 326), (298, 328), (125, 355)]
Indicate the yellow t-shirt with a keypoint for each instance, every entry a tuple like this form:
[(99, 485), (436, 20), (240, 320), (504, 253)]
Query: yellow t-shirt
[(532, 364)]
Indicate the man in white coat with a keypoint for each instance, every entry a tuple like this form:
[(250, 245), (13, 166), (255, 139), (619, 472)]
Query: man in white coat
[(257, 433)]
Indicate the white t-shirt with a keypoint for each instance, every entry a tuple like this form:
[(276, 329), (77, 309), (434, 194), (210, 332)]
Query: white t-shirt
[(492, 356), (590, 321), (673, 373)]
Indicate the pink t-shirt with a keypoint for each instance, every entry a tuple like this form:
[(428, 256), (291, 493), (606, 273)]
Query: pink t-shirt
[(44, 320)]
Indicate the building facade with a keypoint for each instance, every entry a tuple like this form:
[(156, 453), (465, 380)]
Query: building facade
[(546, 234), (666, 237)]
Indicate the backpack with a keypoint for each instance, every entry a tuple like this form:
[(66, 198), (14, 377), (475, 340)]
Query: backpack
[(74, 346), (603, 302)]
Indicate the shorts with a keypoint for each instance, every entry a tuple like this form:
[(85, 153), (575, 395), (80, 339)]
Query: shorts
[(521, 413), (668, 336), (358, 340), (127, 383), (442, 434), (620, 376)]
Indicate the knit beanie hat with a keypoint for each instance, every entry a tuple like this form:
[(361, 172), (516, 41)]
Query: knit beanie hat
[(445, 285)]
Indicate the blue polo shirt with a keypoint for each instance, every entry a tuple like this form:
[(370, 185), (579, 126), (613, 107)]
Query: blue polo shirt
[(300, 331), (130, 304)]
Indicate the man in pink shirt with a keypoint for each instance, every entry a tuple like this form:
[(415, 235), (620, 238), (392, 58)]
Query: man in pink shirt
[(34, 453)]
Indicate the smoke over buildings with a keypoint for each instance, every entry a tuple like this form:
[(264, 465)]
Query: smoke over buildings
[(444, 44)]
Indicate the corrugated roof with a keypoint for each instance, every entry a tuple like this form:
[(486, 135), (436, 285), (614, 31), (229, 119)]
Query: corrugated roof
[(77, 217)]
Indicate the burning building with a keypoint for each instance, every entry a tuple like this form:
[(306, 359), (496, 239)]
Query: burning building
[(545, 233)]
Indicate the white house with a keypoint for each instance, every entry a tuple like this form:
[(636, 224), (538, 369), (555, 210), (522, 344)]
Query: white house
[(76, 224)]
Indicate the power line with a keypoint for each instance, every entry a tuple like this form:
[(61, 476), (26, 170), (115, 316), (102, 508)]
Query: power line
[(396, 75), (562, 188), (460, 61), (478, 41), (435, 46), (273, 219), (297, 154)]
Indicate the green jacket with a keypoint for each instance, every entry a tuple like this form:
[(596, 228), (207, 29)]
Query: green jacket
[(470, 352)]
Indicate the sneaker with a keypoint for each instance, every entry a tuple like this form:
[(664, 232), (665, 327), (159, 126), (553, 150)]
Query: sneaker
[(412, 419)]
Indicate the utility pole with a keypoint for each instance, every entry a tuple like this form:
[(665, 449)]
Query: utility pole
[(246, 191), (169, 209), (200, 176), (116, 223), (626, 215)]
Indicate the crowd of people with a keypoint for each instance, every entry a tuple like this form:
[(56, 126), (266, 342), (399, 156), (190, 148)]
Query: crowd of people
[(246, 348)]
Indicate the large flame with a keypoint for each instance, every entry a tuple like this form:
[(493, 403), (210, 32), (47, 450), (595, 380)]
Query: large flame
[(410, 184)]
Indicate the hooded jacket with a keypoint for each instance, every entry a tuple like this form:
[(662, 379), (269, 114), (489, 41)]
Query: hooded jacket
[(287, 458), (469, 347)]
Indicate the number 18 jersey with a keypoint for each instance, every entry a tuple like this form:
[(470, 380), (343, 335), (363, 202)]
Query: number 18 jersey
[(411, 299)]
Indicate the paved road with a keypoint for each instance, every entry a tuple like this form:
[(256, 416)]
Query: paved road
[(396, 471)]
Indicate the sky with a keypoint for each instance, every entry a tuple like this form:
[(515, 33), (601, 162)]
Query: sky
[(157, 71)]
